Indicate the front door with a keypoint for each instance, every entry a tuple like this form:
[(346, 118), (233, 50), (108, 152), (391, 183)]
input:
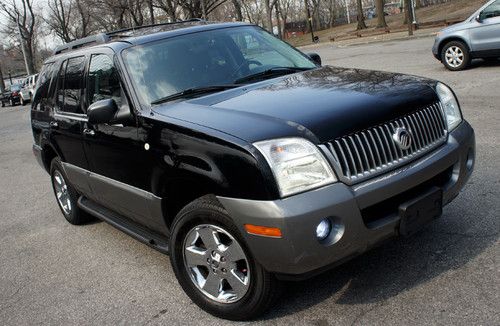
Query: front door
[(485, 36), (115, 153)]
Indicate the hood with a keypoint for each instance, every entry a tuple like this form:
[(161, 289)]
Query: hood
[(320, 104)]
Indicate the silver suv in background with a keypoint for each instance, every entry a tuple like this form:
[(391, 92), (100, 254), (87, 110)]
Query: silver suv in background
[(28, 89), (476, 37)]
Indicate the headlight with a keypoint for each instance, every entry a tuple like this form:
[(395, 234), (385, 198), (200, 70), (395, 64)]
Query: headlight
[(297, 164), (450, 106)]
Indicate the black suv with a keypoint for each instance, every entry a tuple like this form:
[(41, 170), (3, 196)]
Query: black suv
[(243, 158)]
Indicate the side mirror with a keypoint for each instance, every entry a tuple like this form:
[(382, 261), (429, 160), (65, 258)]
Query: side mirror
[(102, 111), (479, 19), (315, 57)]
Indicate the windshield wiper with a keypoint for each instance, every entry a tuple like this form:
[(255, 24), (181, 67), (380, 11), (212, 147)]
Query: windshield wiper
[(194, 91), (269, 73)]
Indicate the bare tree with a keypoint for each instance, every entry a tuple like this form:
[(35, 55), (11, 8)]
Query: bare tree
[(22, 20), (381, 23), (361, 15), (237, 9), (59, 19)]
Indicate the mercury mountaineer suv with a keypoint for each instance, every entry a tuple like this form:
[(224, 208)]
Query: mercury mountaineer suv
[(244, 159)]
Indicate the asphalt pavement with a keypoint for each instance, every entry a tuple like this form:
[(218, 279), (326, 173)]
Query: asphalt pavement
[(449, 274)]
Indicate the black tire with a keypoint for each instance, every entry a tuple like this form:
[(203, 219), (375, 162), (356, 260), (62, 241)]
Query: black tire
[(263, 288), (75, 215), (3, 104), (464, 51)]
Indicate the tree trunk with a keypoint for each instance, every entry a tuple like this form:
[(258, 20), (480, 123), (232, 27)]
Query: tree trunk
[(308, 17), (2, 85), (269, 15), (237, 9), (361, 16), (380, 14), (151, 12), (408, 17), (278, 22)]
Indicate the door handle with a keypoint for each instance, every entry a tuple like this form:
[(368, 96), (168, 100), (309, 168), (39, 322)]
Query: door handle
[(88, 132), (54, 124)]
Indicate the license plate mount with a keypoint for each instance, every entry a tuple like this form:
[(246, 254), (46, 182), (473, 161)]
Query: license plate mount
[(419, 211)]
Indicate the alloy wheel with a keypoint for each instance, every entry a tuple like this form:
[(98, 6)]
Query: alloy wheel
[(62, 194), (454, 56), (216, 263)]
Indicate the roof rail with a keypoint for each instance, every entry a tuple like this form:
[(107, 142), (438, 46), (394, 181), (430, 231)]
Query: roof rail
[(153, 25), (106, 37), (80, 43)]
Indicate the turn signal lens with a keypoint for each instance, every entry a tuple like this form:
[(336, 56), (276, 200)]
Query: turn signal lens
[(264, 231)]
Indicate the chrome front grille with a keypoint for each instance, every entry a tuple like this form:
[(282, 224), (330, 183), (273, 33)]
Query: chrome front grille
[(373, 151)]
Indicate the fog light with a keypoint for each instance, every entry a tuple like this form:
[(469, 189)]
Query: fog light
[(323, 229)]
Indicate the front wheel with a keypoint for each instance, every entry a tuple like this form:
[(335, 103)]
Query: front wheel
[(214, 266), (455, 56)]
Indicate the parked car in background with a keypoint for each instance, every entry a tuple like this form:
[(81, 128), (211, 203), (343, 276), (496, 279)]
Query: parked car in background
[(476, 37), (11, 95), (28, 89)]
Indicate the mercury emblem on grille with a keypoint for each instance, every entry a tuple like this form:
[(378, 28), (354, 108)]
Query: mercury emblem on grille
[(402, 137)]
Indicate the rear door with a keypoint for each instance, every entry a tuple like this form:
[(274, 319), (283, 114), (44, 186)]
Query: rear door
[(68, 117), (485, 36)]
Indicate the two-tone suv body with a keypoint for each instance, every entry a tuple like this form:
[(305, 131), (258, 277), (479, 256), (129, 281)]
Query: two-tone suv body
[(240, 156)]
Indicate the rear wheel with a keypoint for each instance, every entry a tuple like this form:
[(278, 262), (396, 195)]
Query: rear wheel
[(214, 266), (455, 56), (66, 195)]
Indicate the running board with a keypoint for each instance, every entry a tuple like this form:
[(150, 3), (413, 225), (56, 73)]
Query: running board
[(125, 225)]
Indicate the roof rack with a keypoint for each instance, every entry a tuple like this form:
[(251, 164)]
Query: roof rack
[(102, 38), (83, 42)]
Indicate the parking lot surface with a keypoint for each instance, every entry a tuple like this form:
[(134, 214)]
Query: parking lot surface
[(54, 273)]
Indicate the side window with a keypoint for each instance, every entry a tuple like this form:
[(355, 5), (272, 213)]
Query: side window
[(73, 82), (103, 80), (493, 10), (60, 86), (69, 85)]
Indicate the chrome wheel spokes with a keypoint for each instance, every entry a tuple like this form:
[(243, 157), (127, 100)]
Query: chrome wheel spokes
[(216, 263), (62, 193)]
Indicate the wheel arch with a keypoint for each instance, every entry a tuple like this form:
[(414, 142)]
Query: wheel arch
[(451, 39)]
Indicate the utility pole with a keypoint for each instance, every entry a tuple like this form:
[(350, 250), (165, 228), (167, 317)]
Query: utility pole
[(414, 17), (28, 71), (347, 11)]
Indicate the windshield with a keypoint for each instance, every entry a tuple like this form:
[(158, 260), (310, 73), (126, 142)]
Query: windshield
[(15, 88), (218, 57)]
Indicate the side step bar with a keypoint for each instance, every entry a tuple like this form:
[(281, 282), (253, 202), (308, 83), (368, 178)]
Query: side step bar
[(123, 224)]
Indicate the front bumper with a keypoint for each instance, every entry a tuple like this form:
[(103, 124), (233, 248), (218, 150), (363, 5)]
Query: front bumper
[(299, 254)]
